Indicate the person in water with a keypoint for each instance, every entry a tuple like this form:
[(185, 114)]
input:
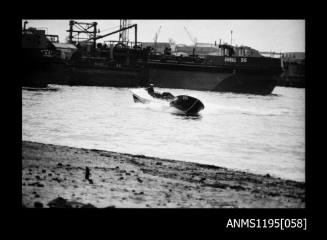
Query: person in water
[(164, 95)]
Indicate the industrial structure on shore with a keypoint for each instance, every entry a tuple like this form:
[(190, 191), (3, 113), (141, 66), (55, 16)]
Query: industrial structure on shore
[(123, 63), (293, 64)]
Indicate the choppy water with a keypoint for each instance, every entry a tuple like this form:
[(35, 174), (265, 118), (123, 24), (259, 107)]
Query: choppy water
[(260, 134)]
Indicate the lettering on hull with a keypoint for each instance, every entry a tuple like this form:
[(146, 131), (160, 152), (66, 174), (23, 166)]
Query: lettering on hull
[(229, 59), (234, 60)]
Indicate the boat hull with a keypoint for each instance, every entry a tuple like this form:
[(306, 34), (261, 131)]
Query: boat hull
[(184, 104), (213, 81), (187, 105), (244, 75), (39, 70), (111, 77)]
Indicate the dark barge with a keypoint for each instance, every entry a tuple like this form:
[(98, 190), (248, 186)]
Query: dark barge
[(227, 73), (128, 64), (86, 63), (41, 63)]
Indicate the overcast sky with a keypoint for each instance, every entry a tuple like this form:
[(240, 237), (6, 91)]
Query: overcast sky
[(263, 35)]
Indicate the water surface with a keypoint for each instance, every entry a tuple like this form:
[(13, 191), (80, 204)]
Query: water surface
[(260, 134)]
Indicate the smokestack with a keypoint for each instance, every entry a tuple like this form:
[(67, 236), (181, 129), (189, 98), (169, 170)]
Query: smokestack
[(25, 23)]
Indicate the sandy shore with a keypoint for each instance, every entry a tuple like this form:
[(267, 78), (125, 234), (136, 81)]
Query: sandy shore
[(133, 181)]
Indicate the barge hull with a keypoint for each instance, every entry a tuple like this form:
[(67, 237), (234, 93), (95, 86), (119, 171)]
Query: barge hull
[(39, 71), (249, 83), (87, 76)]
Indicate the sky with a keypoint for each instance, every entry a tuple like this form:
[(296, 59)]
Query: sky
[(263, 35)]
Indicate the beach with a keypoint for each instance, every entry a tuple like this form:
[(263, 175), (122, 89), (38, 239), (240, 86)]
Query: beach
[(53, 174)]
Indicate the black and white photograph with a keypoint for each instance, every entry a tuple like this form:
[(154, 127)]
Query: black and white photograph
[(163, 113)]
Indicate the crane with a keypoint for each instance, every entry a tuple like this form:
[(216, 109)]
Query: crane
[(194, 40), (124, 35), (156, 39)]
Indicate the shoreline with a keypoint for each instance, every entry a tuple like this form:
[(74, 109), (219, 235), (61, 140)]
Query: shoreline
[(120, 180)]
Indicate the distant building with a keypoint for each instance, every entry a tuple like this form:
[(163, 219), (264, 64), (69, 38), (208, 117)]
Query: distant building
[(293, 56), (293, 64), (182, 49)]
